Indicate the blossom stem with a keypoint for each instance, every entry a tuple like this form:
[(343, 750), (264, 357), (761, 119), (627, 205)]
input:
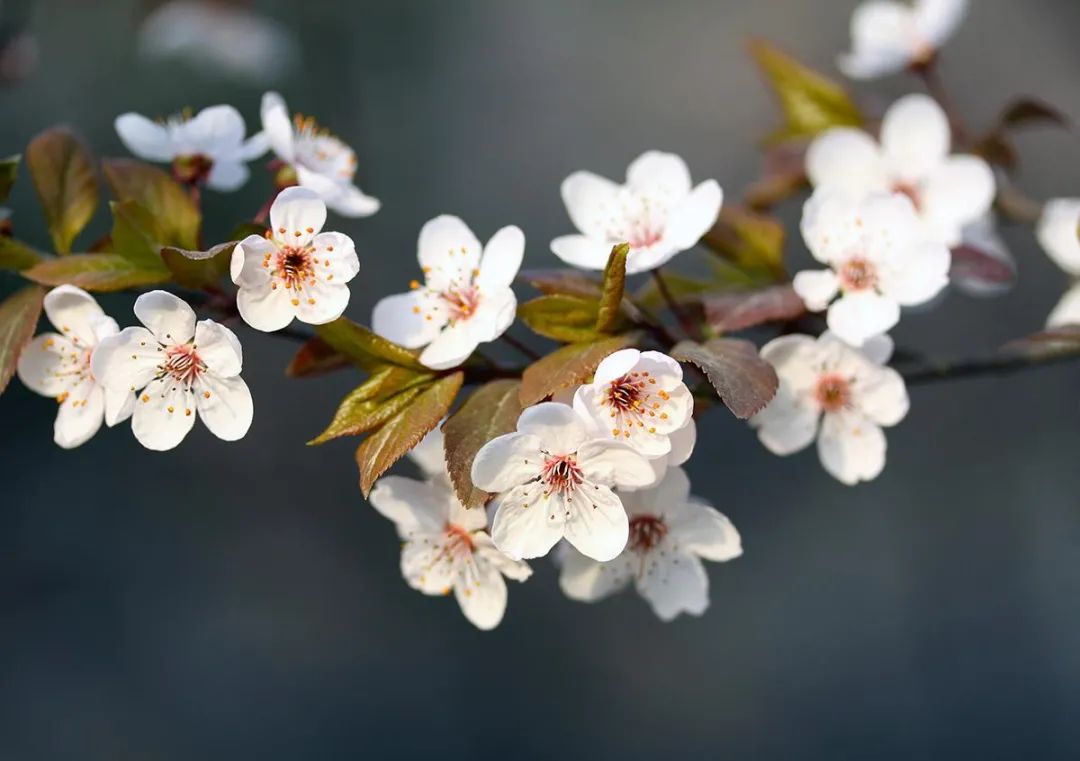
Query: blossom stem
[(931, 77), (993, 365), (684, 318)]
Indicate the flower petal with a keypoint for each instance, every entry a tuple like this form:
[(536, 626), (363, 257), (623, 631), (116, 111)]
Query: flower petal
[(956, 194), (587, 580), (787, 424), (882, 35), (856, 317), (73, 312), (494, 315), (224, 405), (527, 524), (296, 215), (219, 348), (613, 463), (49, 364), (144, 137), (119, 405), (1067, 311), (1057, 234), (502, 259), (248, 266), (591, 201), (350, 201), (415, 507), (596, 523), (336, 256), (881, 395), (448, 252), (703, 531), (127, 361), (453, 345), (321, 303), (921, 273), (216, 132), (794, 357), (656, 171), (846, 159), (507, 461), (915, 136), (674, 583), (582, 251), (407, 319), (829, 225), (481, 592), (486, 550), (80, 415), (168, 317), (616, 365), (427, 566), (559, 429), (936, 20), (164, 414), (266, 308), (851, 448), (816, 288), (278, 127), (227, 175), (694, 216)]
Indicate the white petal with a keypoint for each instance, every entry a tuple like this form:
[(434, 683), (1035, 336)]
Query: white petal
[(48, 364), (336, 255), (266, 308), (558, 428), (429, 454), (851, 448), (454, 344), (787, 424), (80, 415), (526, 524), (494, 315), (1058, 232), (502, 259), (224, 405), (956, 194), (164, 414), (246, 267), (597, 525), (616, 365), (870, 64), (73, 312), (403, 319), (666, 499), (655, 170), (915, 136), (674, 583), (119, 405), (881, 395), (296, 215), (856, 317), (507, 461), (350, 201), (219, 348), (592, 203), (481, 593), (254, 147), (415, 507), (816, 288), (829, 225), (427, 566), (216, 131), (614, 464), (794, 357), (1067, 311), (321, 303), (701, 530), (582, 251), (878, 349), (127, 361), (168, 317), (227, 175), (587, 580), (682, 443), (883, 35), (278, 127), (485, 548), (847, 160), (694, 216), (921, 274), (144, 137), (936, 20), (448, 252)]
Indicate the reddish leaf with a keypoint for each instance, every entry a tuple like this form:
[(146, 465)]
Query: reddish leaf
[(728, 312), (744, 381), (18, 317), (977, 267), (566, 367), (561, 282), (316, 357), (491, 411)]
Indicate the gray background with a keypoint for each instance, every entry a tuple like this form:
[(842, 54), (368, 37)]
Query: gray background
[(242, 601)]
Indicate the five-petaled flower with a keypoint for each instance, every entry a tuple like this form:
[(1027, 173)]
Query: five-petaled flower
[(465, 299), (671, 532), (879, 260), (177, 368), (888, 36), (840, 395), (555, 481), (58, 365), (947, 191), (296, 270), (321, 161), (1057, 234), (658, 212), (208, 147), (447, 547), (639, 398)]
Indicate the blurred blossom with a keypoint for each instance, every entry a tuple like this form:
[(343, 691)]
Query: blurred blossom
[(1067, 311), (220, 37), (888, 36), (1058, 231)]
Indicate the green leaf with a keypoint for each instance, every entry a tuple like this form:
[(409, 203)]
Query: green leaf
[(9, 172), (315, 357), (177, 217), (404, 431), (564, 282), (365, 347), (681, 287), (491, 411), (16, 255), (98, 272), (562, 318), (610, 312), (811, 102), (198, 269), (63, 174), (743, 380), (18, 318), (567, 366), (751, 241), (135, 233), (372, 403)]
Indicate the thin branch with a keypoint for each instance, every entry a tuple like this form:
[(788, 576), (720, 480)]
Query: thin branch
[(686, 322), (994, 365), (931, 77)]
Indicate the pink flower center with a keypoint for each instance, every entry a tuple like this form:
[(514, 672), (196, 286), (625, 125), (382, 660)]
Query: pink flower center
[(294, 266), (458, 540), (646, 531), (857, 274), (833, 392), (561, 474), (462, 302), (183, 364), (635, 403)]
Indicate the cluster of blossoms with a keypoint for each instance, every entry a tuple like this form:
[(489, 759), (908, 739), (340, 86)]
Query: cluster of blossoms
[(590, 471)]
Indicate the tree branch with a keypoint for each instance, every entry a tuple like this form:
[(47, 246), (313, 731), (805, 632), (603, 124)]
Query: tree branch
[(994, 365)]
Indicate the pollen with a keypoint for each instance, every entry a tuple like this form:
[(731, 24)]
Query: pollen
[(329, 248), (145, 398), (187, 413), (171, 409), (62, 398), (206, 394), (311, 230), (296, 302), (416, 310)]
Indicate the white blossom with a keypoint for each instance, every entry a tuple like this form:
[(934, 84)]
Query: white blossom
[(208, 146), (446, 546), (658, 212), (638, 398), (1067, 311), (298, 271), (671, 532), (837, 394), (1058, 231), (465, 300), (554, 481), (321, 161), (878, 258), (888, 36), (58, 364), (913, 159), (179, 370)]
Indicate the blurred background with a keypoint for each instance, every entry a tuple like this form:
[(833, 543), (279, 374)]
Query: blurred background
[(242, 601)]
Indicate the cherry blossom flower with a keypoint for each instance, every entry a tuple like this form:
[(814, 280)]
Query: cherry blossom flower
[(639, 398), (840, 395), (879, 261), (58, 365), (321, 161), (465, 300), (208, 146), (296, 272), (178, 369), (947, 191), (554, 481), (446, 547), (888, 36), (657, 212), (1067, 311), (671, 532), (1057, 231)]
